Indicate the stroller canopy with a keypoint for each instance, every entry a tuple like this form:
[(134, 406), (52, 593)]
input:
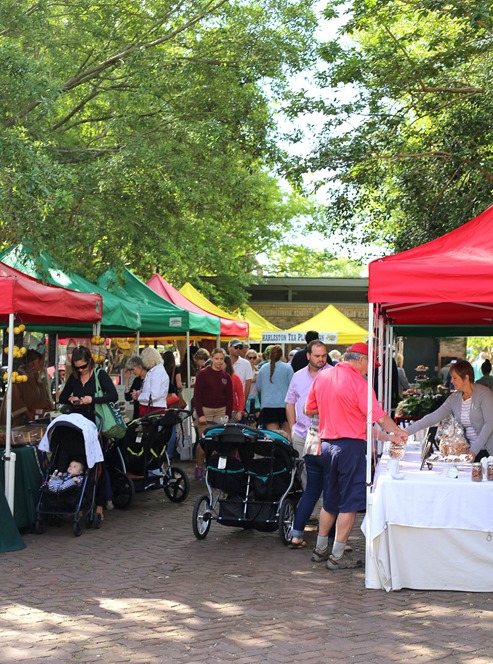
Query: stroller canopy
[(94, 454)]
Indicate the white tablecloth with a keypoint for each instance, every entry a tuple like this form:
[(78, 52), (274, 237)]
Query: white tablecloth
[(429, 531)]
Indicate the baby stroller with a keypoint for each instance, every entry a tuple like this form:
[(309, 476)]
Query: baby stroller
[(253, 479), (147, 449), (70, 437)]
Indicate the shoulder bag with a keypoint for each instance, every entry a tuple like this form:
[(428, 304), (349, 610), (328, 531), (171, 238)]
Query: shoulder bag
[(113, 425)]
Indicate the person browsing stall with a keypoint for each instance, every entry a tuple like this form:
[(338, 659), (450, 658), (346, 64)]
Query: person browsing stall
[(340, 398), (272, 383), (213, 398), (471, 406), (131, 392), (80, 393), (152, 396), (299, 423), (240, 366)]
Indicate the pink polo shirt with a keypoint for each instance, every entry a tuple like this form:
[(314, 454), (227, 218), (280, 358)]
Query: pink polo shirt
[(341, 397)]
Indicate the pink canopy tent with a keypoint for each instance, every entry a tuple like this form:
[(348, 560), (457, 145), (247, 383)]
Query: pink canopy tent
[(229, 327)]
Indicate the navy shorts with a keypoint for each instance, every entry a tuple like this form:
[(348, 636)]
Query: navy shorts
[(344, 468), (272, 416)]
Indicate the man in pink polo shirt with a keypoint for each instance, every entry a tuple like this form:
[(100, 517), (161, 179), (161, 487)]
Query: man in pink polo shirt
[(340, 399)]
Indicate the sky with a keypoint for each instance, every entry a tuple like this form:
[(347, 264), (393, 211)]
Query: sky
[(311, 124)]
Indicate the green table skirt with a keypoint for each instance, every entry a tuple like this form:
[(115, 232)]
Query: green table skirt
[(28, 478), (10, 539)]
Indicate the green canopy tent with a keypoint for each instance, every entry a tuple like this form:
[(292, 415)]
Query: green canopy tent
[(158, 316), (120, 316)]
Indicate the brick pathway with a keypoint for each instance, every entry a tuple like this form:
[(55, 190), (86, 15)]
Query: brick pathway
[(143, 589)]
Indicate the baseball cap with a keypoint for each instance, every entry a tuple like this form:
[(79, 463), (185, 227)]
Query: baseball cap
[(235, 343), (363, 350)]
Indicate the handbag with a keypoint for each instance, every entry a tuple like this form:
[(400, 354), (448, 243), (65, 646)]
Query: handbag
[(312, 440), (113, 424), (174, 400)]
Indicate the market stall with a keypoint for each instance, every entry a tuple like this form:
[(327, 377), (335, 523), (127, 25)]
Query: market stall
[(445, 288), (25, 300), (449, 519), (332, 320), (120, 316)]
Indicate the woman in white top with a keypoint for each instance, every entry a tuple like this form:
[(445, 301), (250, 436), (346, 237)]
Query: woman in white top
[(154, 390)]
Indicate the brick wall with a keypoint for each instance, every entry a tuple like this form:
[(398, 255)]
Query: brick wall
[(289, 314)]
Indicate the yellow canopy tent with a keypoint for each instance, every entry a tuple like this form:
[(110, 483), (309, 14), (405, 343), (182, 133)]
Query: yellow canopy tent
[(258, 323), (201, 301), (333, 320)]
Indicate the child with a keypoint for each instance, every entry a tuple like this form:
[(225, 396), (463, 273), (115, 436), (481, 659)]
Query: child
[(63, 481)]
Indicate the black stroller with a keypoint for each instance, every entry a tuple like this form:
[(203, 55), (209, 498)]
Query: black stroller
[(253, 479), (147, 453), (70, 437)]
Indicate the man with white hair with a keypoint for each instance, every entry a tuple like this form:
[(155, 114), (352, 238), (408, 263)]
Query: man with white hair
[(340, 398)]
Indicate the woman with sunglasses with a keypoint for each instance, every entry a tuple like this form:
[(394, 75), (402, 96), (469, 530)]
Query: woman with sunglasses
[(79, 392), (80, 388)]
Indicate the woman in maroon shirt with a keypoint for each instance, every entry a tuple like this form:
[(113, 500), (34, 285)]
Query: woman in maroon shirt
[(213, 399)]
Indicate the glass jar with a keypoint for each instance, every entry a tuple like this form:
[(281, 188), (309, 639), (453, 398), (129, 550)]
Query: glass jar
[(477, 472), (489, 471), (397, 451)]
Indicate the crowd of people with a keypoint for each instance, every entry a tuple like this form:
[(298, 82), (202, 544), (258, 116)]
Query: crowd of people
[(316, 399)]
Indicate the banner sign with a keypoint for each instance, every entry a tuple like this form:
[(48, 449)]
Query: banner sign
[(296, 337)]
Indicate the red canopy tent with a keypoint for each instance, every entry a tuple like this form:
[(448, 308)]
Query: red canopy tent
[(229, 327), (441, 288), (33, 302), (446, 283), (29, 301)]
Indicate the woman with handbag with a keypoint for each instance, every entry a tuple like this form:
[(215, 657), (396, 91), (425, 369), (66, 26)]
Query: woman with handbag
[(79, 393), (154, 390)]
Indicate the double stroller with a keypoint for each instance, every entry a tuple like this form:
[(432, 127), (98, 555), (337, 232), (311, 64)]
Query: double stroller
[(253, 479), (148, 449), (71, 437)]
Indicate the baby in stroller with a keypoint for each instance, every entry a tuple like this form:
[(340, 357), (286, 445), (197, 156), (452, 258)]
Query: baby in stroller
[(74, 476)]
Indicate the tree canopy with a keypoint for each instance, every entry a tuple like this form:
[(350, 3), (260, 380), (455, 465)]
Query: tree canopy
[(142, 134), (409, 145)]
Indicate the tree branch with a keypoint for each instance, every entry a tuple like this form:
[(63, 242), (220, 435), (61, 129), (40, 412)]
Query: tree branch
[(438, 154), (117, 58)]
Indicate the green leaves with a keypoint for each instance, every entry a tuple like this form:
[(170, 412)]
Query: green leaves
[(411, 153), (144, 131)]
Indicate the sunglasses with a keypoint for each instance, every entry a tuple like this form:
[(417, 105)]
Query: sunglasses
[(238, 346), (81, 367), (251, 357)]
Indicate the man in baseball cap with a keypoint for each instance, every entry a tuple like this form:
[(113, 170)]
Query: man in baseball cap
[(340, 398), (362, 349)]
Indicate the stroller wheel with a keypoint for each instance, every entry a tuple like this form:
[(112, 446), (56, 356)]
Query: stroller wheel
[(123, 490), (40, 526), (77, 528), (98, 520), (201, 517), (176, 484), (286, 520)]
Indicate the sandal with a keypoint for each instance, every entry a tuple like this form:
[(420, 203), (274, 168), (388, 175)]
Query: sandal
[(297, 545)]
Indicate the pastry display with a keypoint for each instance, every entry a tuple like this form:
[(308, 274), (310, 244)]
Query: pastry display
[(451, 458)]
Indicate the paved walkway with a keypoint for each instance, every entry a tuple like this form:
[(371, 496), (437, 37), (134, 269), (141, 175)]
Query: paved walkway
[(143, 589)]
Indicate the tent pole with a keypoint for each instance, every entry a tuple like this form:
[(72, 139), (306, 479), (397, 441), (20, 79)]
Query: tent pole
[(371, 574), (9, 455), (380, 384), (388, 372)]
